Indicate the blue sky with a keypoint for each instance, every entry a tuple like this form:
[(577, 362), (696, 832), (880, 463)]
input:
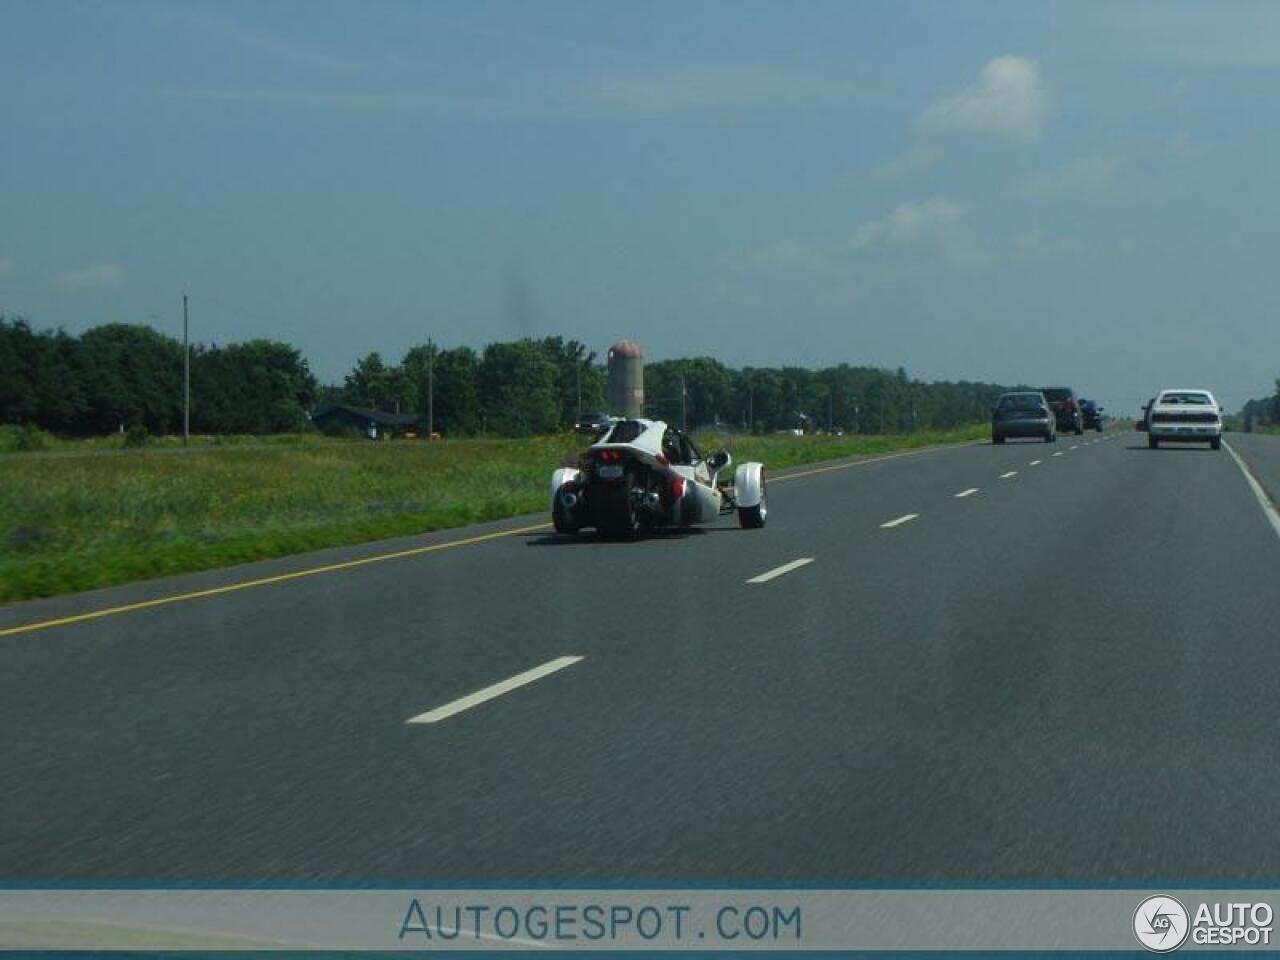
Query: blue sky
[(1019, 192)]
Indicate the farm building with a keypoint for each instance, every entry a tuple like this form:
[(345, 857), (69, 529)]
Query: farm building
[(374, 424)]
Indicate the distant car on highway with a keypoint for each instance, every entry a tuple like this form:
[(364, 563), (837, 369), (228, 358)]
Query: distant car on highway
[(1066, 408), (1025, 414), (644, 474), (593, 423), (1184, 416), (1091, 415)]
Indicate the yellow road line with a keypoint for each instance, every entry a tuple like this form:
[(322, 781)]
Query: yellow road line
[(380, 557), (263, 581)]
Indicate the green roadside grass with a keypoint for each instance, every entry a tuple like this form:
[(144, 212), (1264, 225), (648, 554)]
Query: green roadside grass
[(79, 520), (26, 440), (780, 451)]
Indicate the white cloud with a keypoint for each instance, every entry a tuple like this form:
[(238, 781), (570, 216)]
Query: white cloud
[(1008, 100), (1088, 176), (1238, 35), (95, 275), (792, 253), (1037, 244), (1183, 146), (307, 97), (910, 163), (910, 223), (681, 89), (928, 229), (224, 28)]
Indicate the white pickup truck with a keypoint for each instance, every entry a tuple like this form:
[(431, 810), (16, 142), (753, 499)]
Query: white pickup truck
[(1185, 416)]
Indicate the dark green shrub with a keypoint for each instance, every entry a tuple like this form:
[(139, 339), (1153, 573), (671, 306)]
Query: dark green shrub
[(136, 437), (31, 438)]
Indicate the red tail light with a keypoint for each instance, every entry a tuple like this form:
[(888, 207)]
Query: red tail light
[(610, 454), (677, 487)]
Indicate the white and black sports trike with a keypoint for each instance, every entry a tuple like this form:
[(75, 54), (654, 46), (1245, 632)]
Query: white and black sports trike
[(641, 475)]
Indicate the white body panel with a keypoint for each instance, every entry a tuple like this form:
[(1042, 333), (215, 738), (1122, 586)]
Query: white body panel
[(701, 502), (748, 484)]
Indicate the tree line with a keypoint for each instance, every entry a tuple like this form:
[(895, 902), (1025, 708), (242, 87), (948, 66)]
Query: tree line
[(118, 376), (528, 387), (516, 388), (702, 391), (1262, 412)]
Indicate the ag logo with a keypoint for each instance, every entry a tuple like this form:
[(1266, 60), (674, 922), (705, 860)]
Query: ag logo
[(1161, 924)]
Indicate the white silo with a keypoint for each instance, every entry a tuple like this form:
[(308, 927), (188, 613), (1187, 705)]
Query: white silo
[(626, 379)]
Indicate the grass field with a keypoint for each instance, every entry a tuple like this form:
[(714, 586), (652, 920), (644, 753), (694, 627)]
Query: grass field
[(29, 440), (80, 517)]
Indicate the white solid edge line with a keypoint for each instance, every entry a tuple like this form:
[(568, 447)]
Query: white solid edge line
[(779, 571), (967, 493), (1264, 501), (1006, 476), (494, 690), (901, 520)]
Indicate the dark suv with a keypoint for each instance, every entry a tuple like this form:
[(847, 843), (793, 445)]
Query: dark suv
[(593, 423), (1093, 417), (1066, 408)]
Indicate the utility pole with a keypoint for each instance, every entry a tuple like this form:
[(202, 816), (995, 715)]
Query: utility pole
[(577, 376), (186, 376), (751, 407), (684, 420), (431, 389), (830, 411)]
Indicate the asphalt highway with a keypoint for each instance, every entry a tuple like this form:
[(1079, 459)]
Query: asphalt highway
[(1069, 672)]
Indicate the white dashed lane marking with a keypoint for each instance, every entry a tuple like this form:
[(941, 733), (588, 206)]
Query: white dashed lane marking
[(905, 518), (779, 571), (493, 691)]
